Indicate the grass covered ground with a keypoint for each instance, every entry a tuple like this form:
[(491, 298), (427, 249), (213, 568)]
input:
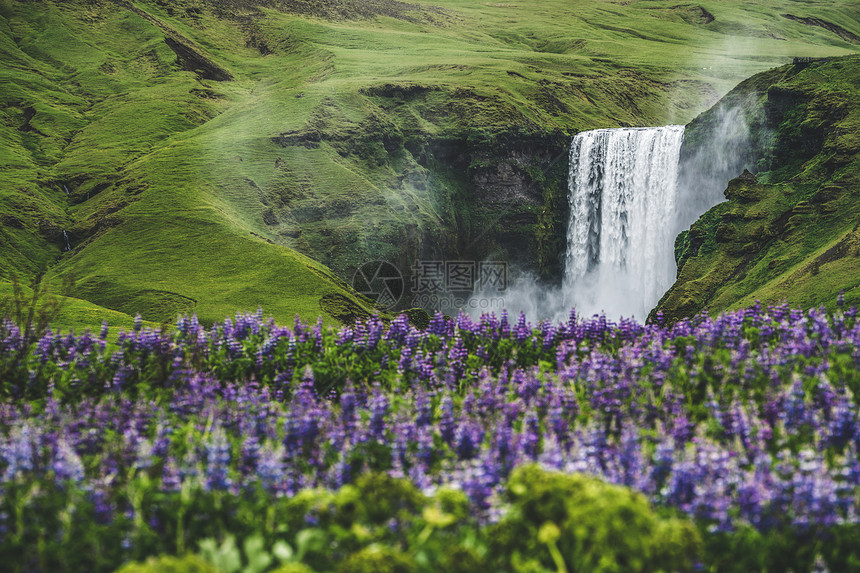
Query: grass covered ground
[(191, 150)]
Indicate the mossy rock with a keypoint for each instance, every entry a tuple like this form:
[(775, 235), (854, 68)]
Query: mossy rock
[(342, 308), (827, 193), (745, 191), (757, 232), (418, 317), (726, 233)]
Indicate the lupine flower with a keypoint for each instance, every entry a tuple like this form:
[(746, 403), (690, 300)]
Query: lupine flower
[(700, 416)]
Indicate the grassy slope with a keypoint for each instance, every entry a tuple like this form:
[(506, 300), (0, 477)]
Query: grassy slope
[(792, 234), (148, 235), (182, 199), (75, 314)]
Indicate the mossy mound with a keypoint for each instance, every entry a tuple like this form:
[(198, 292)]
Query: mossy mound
[(583, 524)]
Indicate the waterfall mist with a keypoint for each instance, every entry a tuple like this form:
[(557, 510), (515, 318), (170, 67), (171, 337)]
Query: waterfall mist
[(631, 192), (721, 151)]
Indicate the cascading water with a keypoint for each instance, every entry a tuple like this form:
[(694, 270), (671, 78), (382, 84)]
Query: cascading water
[(67, 246), (623, 194)]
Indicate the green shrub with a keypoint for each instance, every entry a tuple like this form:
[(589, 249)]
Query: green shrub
[(293, 568), (378, 559), (170, 564), (577, 523), (384, 497)]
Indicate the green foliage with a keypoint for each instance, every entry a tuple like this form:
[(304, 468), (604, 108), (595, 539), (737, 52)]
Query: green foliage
[(293, 568), (228, 558), (169, 564), (377, 498), (378, 559), (31, 308), (747, 549), (555, 522), (576, 523)]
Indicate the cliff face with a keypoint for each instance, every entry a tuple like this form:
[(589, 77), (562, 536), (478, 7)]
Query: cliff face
[(507, 198), (498, 195), (789, 231)]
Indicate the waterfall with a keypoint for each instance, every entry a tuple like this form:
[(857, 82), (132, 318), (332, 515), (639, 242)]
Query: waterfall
[(66, 189), (620, 241), (67, 246)]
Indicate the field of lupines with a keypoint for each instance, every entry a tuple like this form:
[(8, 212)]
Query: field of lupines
[(471, 445)]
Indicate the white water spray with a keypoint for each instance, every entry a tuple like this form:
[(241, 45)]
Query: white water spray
[(624, 216), (623, 193)]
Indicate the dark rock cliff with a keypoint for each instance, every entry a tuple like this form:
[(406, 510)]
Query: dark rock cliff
[(482, 196)]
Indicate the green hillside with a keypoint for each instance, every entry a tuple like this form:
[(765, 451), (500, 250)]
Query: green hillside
[(789, 232), (201, 155)]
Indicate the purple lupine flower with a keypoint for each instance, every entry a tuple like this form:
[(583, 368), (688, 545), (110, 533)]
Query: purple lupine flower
[(559, 422), (447, 425), (795, 413), (405, 362), (379, 409), (438, 325), (522, 331), (217, 461), (250, 455), (527, 385), (271, 469), (19, 451), (423, 409), (398, 330), (468, 438), (662, 464), (143, 454), (530, 436), (171, 477), (67, 464)]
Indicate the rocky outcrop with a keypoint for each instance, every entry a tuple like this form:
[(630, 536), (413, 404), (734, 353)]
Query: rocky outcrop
[(846, 35), (190, 56), (785, 232)]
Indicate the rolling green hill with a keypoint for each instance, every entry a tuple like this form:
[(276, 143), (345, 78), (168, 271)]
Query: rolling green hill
[(791, 232), (200, 155)]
